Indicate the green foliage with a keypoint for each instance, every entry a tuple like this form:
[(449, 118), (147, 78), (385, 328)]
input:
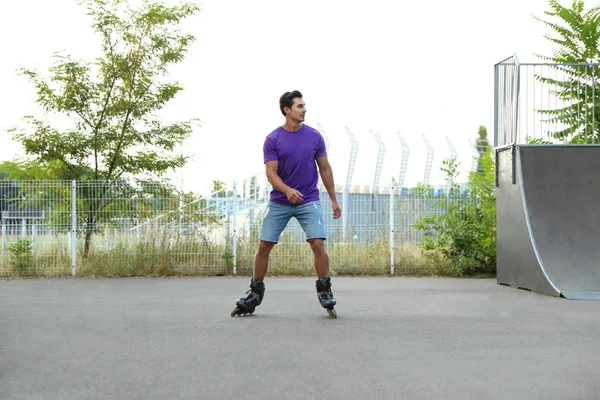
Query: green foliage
[(112, 103), (577, 36), (21, 259), (462, 240), (482, 145), (424, 191), (227, 257), (112, 107), (530, 140), (26, 169), (219, 189)]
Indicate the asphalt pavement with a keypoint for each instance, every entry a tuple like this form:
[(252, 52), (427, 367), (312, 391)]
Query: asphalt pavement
[(394, 338)]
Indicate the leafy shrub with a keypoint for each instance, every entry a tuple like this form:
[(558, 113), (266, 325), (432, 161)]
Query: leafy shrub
[(462, 240), (21, 259)]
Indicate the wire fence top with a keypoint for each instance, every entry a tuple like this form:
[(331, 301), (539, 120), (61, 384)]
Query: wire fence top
[(546, 103)]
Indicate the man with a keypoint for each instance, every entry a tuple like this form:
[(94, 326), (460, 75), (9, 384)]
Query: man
[(292, 153)]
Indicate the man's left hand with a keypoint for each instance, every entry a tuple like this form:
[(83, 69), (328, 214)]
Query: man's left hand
[(337, 211)]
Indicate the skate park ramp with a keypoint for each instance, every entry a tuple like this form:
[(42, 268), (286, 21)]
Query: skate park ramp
[(548, 219)]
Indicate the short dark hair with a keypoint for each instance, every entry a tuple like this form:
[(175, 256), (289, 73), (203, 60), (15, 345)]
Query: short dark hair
[(287, 100)]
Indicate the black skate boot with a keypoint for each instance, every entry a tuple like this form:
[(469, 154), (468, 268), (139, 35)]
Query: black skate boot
[(325, 296), (254, 296)]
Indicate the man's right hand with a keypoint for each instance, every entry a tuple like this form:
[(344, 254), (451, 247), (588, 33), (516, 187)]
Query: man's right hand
[(294, 196)]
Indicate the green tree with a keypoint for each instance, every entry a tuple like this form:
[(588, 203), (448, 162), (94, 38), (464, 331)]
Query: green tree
[(482, 145), (577, 36), (219, 189), (23, 169), (112, 102)]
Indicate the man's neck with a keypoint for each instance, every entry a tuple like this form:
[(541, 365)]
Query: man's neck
[(292, 126)]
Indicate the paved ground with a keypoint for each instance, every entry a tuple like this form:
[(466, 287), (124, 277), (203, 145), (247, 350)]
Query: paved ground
[(395, 338)]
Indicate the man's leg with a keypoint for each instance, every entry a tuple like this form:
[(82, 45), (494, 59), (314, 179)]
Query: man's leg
[(310, 217), (274, 222), (261, 259), (323, 284), (321, 257)]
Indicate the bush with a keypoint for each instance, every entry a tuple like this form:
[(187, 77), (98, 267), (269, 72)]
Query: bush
[(21, 259), (462, 240)]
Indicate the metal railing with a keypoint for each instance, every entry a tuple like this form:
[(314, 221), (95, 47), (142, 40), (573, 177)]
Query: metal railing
[(546, 103)]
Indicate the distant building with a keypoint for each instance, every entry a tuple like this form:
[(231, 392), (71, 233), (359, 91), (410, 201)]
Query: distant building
[(22, 221)]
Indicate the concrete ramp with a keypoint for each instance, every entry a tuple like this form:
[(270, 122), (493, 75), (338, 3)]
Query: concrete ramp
[(548, 219)]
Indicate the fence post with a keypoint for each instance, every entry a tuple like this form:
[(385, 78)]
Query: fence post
[(345, 196), (392, 239), (235, 206), (73, 226), (3, 235), (344, 215), (429, 162)]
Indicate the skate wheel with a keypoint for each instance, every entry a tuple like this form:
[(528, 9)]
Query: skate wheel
[(239, 312), (332, 313)]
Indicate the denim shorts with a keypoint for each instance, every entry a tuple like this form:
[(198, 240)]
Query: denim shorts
[(277, 216)]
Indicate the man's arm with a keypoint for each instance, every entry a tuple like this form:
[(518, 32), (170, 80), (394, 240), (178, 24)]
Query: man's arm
[(293, 195), (327, 177)]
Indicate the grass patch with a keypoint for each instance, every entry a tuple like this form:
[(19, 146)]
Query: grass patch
[(162, 254)]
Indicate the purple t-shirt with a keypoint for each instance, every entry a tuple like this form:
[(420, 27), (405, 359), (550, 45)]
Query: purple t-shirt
[(296, 153)]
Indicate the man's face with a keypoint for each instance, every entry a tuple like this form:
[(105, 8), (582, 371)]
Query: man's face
[(296, 113)]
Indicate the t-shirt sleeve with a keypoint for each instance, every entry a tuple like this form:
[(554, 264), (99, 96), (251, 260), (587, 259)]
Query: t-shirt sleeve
[(270, 150), (321, 150)]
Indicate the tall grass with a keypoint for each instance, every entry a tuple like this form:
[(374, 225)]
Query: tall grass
[(162, 254), (373, 257), (50, 258)]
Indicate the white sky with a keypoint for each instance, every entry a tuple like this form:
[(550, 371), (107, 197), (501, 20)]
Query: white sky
[(416, 67)]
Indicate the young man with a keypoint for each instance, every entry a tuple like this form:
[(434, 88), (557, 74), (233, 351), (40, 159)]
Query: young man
[(292, 153)]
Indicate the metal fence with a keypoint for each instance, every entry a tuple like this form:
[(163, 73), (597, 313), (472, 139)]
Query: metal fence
[(118, 228), (546, 103), (68, 227)]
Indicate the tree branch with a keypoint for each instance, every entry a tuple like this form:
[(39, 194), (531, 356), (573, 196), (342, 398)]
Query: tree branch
[(132, 104), (118, 149), (99, 122)]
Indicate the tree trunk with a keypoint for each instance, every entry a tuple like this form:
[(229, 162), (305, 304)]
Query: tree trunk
[(89, 230)]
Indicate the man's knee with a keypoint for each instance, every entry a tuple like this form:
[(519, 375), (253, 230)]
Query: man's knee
[(318, 246), (264, 248)]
